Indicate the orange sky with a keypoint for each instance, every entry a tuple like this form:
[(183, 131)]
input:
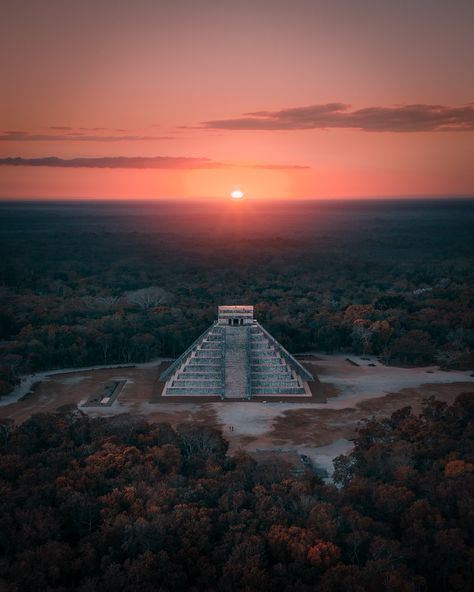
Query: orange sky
[(370, 98)]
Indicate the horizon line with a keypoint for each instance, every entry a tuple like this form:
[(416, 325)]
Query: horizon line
[(226, 199)]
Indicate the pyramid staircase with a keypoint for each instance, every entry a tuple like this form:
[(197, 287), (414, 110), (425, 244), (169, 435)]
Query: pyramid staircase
[(236, 362)]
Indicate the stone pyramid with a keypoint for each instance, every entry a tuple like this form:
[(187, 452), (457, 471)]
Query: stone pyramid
[(236, 358)]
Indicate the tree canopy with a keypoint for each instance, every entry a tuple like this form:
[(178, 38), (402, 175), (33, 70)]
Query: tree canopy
[(121, 504)]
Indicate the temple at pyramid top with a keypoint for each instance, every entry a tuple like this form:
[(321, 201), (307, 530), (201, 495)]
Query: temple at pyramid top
[(236, 358), (235, 315)]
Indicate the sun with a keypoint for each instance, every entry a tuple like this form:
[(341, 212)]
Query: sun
[(236, 194)]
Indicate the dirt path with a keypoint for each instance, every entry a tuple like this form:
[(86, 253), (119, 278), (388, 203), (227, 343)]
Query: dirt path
[(29, 381)]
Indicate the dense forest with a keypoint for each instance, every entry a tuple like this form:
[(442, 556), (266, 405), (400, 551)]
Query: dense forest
[(85, 284), (124, 505)]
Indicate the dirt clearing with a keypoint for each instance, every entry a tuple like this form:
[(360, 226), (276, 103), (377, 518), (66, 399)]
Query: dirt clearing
[(318, 430)]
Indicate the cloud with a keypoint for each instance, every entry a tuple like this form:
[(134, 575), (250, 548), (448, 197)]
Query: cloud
[(138, 162), (75, 136), (276, 167), (116, 162), (399, 118)]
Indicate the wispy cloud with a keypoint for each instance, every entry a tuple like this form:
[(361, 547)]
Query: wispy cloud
[(138, 162), (116, 162), (398, 118), (69, 134), (275, 167)]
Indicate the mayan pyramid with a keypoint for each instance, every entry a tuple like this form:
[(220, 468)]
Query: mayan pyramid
[(236, 358)]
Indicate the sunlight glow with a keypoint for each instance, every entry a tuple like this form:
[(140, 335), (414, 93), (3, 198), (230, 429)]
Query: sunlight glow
[(237, 194)]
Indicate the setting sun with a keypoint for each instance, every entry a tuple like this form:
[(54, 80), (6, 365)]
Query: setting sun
[(237, 194)]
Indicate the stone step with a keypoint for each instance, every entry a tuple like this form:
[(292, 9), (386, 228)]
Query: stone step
[(172, 390), (278, 391), (277, 371), (277, 384), (267, 363), (197, 383), (209, 362), (192, 375)]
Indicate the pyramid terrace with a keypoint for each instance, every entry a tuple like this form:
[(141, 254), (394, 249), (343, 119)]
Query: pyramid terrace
[(236, 359)]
